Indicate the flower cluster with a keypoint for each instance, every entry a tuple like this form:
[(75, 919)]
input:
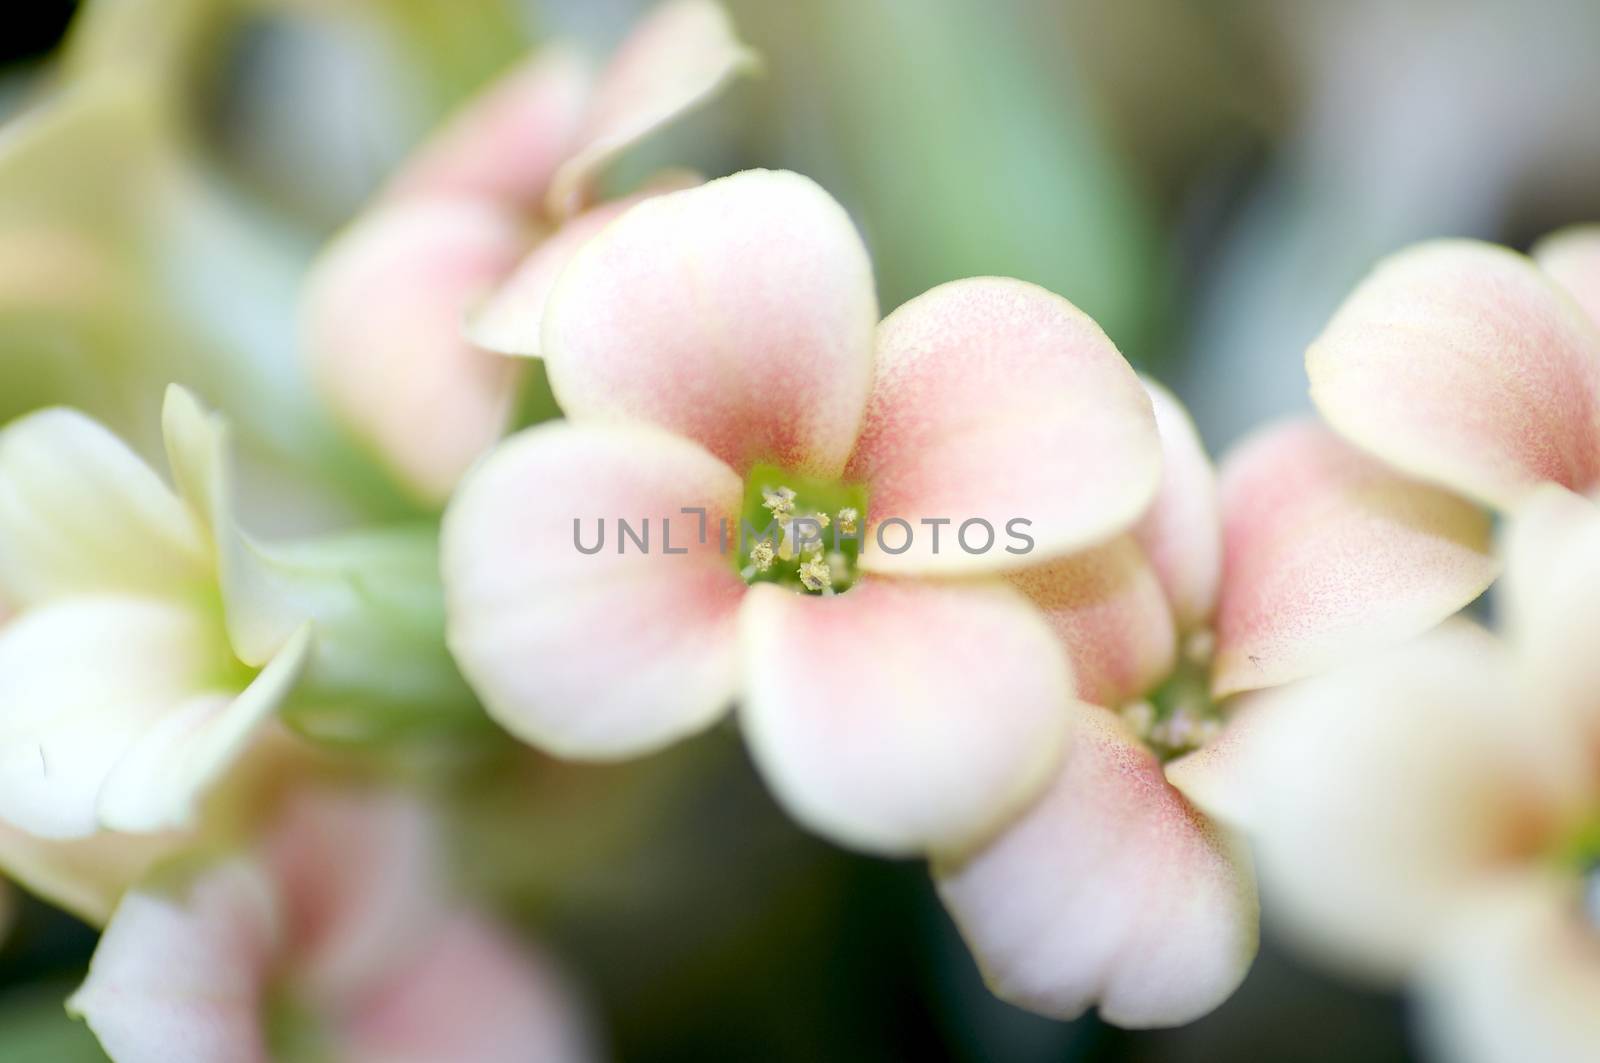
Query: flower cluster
[(968, 587)]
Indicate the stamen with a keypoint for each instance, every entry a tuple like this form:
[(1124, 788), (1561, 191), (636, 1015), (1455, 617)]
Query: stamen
[(1140, 716), (761, 555), (847, 520), (815, 575), (779, 500)]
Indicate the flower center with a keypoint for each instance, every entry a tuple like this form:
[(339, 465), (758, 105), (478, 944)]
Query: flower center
[(1180, 715), (799, 532)]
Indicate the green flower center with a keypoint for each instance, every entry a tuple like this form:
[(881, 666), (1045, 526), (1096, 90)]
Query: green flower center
[(799, 532), (1180, 715)]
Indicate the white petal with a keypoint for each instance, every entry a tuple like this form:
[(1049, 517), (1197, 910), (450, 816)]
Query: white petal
[(81, 512), (82, 681)]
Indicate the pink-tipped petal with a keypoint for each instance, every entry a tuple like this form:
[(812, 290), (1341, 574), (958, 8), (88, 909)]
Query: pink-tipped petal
[(1463, 364), (606, 654), (358, 879), (1182, 530), (677, 58), (506, 144), (179, 979), (1107, 607), (468, 995), (512, 320), (1382, 791), (996, 400), (1518, 978), (900, 718), (382, 324), (1111, 891), (1328, 553), (1572, 257), (739, 314)]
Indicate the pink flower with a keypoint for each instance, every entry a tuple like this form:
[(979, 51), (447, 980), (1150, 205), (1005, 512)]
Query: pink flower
[(1472, 366), (1433, 816), (1127, 886), (333, 940), (719, 349), (510, 180)]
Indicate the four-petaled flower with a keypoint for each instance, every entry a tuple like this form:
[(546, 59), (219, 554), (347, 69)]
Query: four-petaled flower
[(1127, 885), (713, 346)]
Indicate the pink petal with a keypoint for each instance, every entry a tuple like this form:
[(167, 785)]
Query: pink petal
[(1182, 530), (1461, 363), (383, 317), (901, 717), (739, 314), (602, 655), (1517, 978), (358, 880), (1572, 258), (469, 995), (996, 400), (179, 979), (1110, 891), (677, 58), (506, 144), (512, 320), (1107, 607), (1328, 553)]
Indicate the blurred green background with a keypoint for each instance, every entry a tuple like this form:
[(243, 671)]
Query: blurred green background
[(1206, 179)]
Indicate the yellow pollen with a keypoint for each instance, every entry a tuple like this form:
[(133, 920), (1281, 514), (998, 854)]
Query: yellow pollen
[(1140, 716), (815, 575), (780, 501), (761, 555), (847, 520)]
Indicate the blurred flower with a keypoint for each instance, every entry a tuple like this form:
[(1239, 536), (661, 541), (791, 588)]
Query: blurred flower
[(719, 349), (124, 697), (1119, 888), (1471, 366), (1434, 815), (334, 938), (148, 638), (511, 178), (124, 268)]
